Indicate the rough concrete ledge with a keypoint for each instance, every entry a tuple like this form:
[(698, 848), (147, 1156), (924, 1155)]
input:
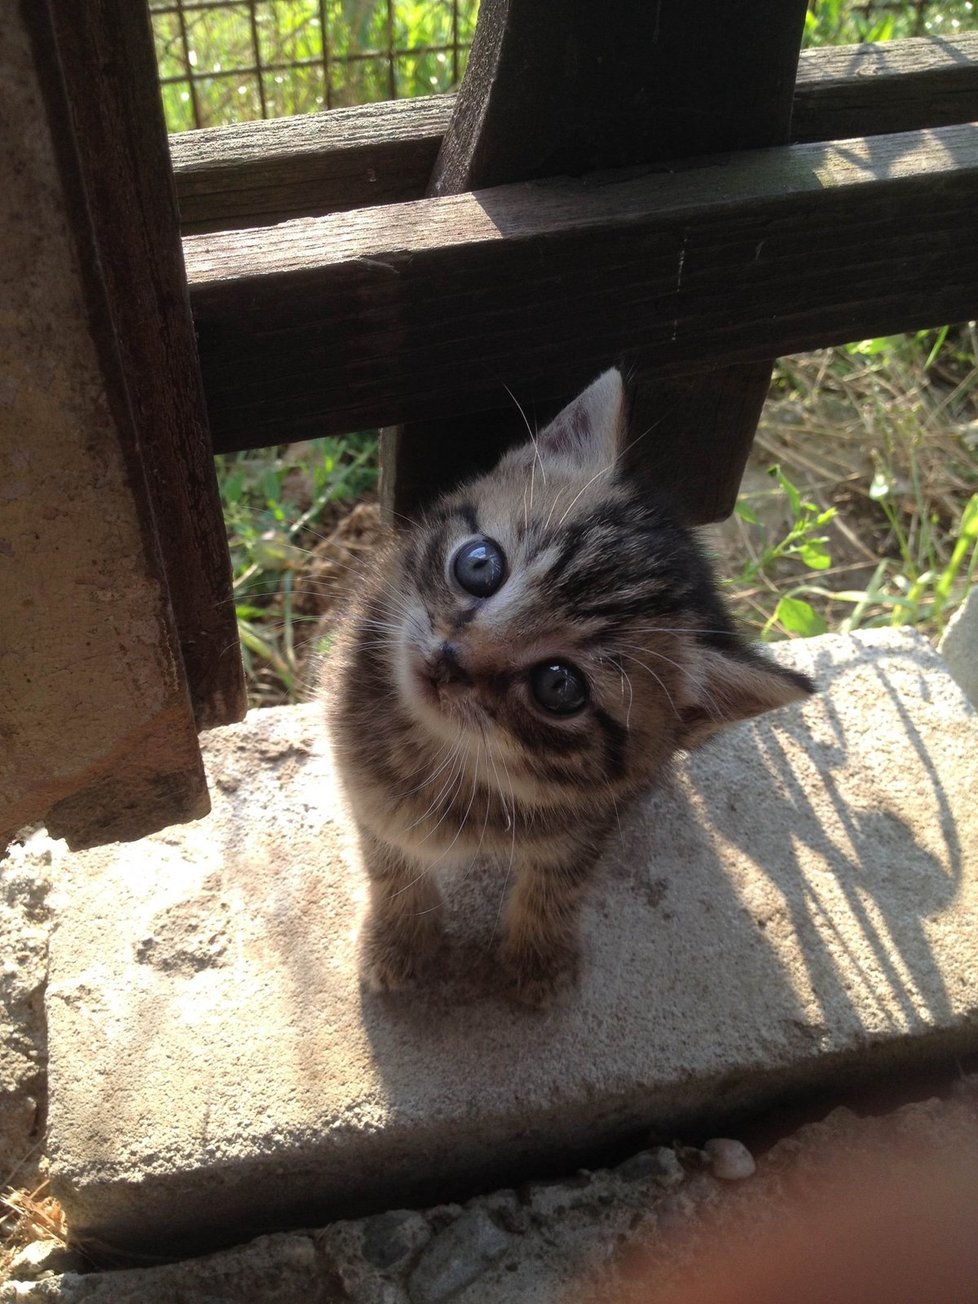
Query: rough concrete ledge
[(801, 902), (26, 869), (959, 646), (657, 1227)]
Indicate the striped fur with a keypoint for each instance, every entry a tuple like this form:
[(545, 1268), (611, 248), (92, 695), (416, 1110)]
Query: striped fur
[(445, 752)]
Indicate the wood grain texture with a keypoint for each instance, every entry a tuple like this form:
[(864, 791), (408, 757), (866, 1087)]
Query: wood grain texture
[(874, 89), (257, 173), (254, 173), (415, 310), (99, 738), (548, 91), (108, 63)]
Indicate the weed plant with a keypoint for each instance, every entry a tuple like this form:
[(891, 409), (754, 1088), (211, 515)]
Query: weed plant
[(875, 469), (373, 51), (841, 22), (276, 504)]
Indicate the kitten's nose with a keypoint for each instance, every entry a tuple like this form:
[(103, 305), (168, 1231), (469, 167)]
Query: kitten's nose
[(446, 668)]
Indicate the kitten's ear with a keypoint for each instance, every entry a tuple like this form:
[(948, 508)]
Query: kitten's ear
[(590, 430), (729, 687)]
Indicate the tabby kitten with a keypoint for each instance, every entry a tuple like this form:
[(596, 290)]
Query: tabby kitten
[(518, 667)]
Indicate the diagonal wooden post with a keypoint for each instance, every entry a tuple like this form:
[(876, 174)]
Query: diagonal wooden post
[(118, 640), (552, 89)]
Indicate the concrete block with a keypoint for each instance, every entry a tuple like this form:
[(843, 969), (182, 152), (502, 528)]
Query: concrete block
[(800, 903), (609, 1235), (959, 646), (25, 922)]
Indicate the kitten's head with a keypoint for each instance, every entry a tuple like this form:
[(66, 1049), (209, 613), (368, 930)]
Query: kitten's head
[(551, 609)]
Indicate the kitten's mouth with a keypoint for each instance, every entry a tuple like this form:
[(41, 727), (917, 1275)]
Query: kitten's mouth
[(426, 686), (437, 686)]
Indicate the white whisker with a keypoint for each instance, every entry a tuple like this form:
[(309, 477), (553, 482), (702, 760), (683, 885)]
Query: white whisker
[(651, 672), (583, 489)]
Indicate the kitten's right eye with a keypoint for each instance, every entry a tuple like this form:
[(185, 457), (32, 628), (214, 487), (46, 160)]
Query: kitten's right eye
[(559, 687), (479, 567)]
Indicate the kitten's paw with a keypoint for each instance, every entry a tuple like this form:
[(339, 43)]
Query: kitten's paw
[(541, 980), (391, 960)]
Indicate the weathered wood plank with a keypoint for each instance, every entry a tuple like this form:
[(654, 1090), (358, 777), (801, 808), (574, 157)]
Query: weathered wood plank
[(877, 89), (255, 173), (413, 310), (109, 68), (549, 91), (683, 99), (98, 735)]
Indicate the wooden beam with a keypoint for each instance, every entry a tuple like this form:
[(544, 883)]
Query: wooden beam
[(257, 173), (548, 91), (105, 54), (634, 91), (877, 89), (413, 310), (99, 740)]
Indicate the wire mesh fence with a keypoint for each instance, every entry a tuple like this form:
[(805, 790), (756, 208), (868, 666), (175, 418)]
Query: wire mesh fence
[(222, 61), (226, 61)]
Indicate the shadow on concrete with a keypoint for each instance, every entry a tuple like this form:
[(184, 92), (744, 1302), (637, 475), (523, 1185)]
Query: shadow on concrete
[(887, 881), (765, 922)]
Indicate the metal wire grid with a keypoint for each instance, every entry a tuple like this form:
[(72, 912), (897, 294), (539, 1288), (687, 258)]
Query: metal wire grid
[(875, 9), (253, 47), (341, 66), (845, 21)]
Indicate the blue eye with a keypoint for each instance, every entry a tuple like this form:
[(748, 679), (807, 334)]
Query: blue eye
[(558, 687), (479, 567)]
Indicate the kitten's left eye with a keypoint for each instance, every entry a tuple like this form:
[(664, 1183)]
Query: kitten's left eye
[(559, 687), (480, 567)]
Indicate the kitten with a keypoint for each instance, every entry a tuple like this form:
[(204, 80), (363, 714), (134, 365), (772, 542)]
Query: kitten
[(519, 666)]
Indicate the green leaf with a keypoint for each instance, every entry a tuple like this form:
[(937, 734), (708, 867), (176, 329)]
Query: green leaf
[(799, 617), (794, 497), (969, 520), (272, 552), (746, 513), (938, 345), (814, 555), (870, 348), (232, 487)]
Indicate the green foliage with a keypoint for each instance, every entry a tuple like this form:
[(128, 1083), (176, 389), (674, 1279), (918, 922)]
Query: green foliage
[(372, 52), (925, 543), (414, 47), (843, 22), (926, 527), (801, 542), (904, 591), (269, 533)]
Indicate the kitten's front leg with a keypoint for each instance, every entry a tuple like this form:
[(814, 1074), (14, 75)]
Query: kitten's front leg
[(541, 950), (402, 933)]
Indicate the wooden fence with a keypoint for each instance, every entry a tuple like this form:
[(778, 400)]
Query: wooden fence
[(689, 201)]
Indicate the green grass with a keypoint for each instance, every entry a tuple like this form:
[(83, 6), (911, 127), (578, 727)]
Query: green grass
[(870, 449), (883, 435), (429, 40), (274, 501), (841, 22)]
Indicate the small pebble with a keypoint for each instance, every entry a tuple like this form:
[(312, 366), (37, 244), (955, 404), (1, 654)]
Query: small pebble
[(42, 1259), (660, 1164), (731, 1161)]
